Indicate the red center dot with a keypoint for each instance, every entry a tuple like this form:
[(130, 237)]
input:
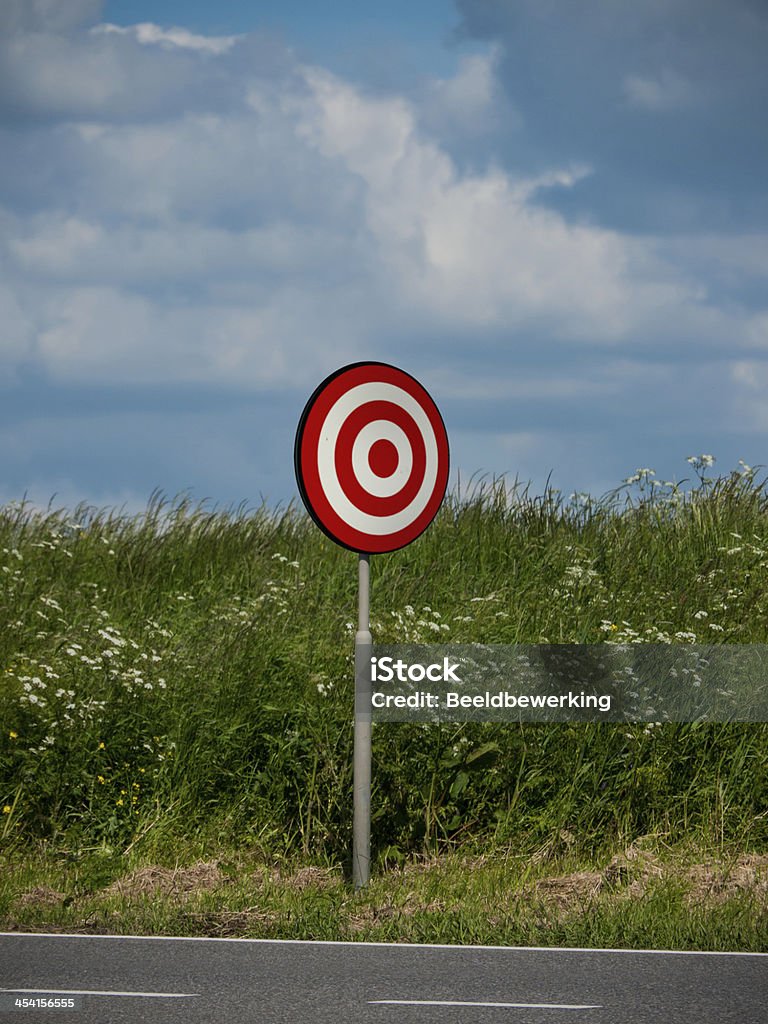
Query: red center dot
[(383, 458)]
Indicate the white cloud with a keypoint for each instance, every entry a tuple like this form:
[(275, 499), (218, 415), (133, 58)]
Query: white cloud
[(757, 331), (524, 383), (150, 34), (474, 249), (113, 76), (72, 250), (746, 396), (750, 374), (104, 334), (61, 493), (16, 330), (302, 222), (664, 92), (472, 89), (468, 104)]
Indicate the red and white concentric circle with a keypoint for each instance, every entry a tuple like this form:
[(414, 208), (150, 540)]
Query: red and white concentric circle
[(371, 457)]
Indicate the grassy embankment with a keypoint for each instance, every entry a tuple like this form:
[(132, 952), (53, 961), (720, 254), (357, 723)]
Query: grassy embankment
[(175, 715)]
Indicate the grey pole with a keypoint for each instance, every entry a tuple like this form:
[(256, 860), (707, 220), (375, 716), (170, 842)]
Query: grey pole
[(361, 823)]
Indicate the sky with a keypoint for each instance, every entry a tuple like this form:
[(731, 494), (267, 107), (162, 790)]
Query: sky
[(555, 216)]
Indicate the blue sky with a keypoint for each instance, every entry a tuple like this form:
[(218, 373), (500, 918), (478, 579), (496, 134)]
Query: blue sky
[(554, 215)]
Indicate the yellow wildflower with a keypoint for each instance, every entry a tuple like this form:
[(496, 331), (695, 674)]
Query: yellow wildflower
[(7, 809), (119, 802), (101, 746), (13, 735), (101, 779)]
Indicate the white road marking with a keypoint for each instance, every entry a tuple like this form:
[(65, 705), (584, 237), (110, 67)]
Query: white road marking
[(41, 989), (455, 1002), (390, 945)]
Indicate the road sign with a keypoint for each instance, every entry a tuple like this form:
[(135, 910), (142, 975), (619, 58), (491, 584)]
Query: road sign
[(371, 457)]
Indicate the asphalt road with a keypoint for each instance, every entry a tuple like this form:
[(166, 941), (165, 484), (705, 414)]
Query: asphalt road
[(241, 981)]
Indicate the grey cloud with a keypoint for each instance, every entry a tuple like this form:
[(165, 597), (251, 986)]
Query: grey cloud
[(48, 77), (87, 74), (17, 16), (230, 447), (108, 443), (665, 99)]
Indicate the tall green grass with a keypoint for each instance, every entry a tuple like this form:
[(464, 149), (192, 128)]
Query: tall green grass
[(188, 672)]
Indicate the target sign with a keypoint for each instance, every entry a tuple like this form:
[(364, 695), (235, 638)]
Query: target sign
[(371, 457)]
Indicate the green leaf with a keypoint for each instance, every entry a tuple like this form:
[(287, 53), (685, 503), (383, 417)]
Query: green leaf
[(459, 785), (481, 757)]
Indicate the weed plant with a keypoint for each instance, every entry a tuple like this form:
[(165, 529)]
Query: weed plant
[(185, 675)]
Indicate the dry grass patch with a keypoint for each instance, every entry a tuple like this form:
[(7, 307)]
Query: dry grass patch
[(41, 896), (230, 923), (713, 882), (369, 917), (566, 891), (153, 880), (306, 878)]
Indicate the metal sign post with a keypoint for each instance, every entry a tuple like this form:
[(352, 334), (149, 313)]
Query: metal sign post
[(371, 460), (361, 823)]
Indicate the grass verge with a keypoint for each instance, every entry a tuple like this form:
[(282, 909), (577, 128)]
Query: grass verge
[(176, 688), (642, 897)]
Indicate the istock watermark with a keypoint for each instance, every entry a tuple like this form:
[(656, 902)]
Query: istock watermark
[(387, 669), (569, 682)]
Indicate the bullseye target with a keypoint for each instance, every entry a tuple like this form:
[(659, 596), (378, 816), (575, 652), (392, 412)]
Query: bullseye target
[(371, 457)]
